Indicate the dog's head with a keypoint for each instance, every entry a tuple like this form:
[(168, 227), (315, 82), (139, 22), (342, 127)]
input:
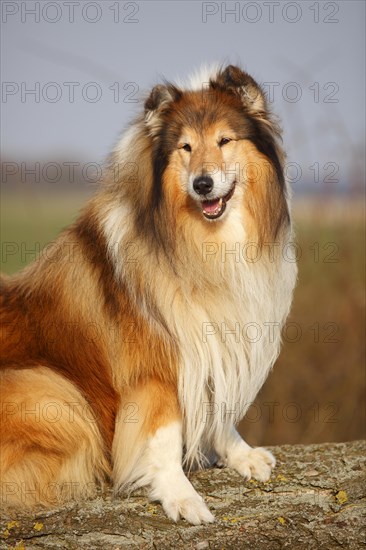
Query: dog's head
[(215, 150)]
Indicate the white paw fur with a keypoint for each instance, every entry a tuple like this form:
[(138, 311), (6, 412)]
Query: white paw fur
[(252, 463), (179, 499), (193, 509), (160, 468)]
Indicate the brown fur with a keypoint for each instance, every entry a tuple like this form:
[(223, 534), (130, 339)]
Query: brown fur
[(73, 331)]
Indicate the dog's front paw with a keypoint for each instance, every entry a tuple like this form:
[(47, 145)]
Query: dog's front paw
[(193, 509), (257, 463), (179, 498)]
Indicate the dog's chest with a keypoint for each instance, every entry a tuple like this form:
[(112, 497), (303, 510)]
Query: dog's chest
[(230, 340)]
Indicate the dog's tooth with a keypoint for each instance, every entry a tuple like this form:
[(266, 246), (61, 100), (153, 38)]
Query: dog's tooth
[(218, 209)]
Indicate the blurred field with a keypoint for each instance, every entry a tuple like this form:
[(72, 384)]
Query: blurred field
[(316, 392), (28, 222)]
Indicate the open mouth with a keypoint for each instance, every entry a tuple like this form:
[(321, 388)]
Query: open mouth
[(215, 208)]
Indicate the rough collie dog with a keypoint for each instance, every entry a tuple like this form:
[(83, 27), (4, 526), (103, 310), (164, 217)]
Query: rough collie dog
[(140, 337)]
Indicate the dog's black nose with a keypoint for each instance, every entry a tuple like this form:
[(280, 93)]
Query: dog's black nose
[(203, 185)]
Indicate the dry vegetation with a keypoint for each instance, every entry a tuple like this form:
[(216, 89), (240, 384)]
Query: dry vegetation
[(316, 391)]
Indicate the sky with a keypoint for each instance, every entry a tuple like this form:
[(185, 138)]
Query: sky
[(90, 63)]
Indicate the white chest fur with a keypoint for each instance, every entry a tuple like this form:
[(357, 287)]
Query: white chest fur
[(229, 338)]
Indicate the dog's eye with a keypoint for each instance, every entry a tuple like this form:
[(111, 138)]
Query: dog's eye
[(187, 147), (224, 141)]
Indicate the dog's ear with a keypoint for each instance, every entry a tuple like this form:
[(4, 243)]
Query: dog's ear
[(235, 80), (160, 98)]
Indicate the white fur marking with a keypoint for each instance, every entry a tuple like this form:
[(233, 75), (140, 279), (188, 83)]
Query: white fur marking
[(200, 78), (222, 184), (159, 466), (248, 462)]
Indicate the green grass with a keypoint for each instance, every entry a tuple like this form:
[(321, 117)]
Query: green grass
[(29, 223)]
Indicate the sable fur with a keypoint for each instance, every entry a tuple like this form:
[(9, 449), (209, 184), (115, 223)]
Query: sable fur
[(112, 317)]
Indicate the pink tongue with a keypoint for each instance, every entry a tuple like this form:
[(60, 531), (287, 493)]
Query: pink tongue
[(210, 206)]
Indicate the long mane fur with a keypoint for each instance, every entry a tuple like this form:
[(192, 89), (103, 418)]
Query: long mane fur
[(183, 296)]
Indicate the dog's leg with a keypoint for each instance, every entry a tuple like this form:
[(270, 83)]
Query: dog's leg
[(250, 462), (169, 484), (148, 452), (50, 447)]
